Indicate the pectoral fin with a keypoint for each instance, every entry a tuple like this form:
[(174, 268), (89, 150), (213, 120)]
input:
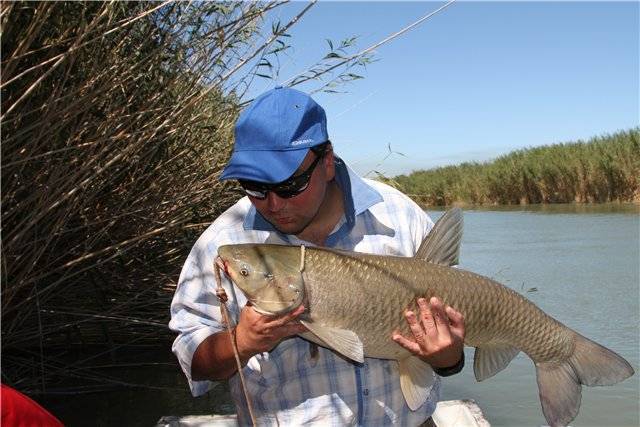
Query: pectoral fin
[(343, 341), (416, 379), (491, 359)]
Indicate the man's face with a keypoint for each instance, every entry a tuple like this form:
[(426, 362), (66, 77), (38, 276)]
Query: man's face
[(292, 215)]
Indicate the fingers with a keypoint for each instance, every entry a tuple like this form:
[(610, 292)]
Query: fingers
[(440, 318), (408, 344), (429, 330), (456, 320), (291, 329), (256, 332), (276, 322), (427, 319), (437, 332), (281, 326), (288, 325)]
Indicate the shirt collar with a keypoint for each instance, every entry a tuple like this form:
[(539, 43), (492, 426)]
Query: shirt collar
[(358, 197)]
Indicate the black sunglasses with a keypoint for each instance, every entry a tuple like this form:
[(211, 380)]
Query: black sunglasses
[(285, 189)]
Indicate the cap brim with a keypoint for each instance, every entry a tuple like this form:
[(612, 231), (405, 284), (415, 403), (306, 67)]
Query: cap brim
[(263, 166)]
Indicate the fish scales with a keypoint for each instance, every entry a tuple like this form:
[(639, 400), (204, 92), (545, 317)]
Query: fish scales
[(493, 313), (355, 301)]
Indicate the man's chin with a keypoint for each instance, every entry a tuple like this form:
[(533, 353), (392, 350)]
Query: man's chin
[(289, 228)]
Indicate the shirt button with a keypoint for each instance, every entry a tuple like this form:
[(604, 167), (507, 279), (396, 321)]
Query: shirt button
[(365, 392)]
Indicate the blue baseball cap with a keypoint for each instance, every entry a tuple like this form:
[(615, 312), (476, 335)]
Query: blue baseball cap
[(274, 134)]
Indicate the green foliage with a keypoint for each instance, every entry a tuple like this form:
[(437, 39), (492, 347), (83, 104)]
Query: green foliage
[(604, 169)]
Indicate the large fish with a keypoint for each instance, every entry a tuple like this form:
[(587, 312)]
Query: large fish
[(354, 301)]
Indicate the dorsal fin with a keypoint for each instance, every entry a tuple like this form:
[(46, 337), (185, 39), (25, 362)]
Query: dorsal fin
[(442, 244)]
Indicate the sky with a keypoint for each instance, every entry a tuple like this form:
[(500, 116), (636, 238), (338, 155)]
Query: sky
[(473, 82)]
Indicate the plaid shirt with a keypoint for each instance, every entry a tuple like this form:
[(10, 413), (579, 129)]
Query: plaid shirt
[(286, 385)]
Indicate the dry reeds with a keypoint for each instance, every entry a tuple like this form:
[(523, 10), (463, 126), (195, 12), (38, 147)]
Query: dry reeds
[(603, 169), (116, 121)]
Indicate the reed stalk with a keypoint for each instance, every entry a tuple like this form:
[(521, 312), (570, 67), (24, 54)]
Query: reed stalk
[(116, 121)]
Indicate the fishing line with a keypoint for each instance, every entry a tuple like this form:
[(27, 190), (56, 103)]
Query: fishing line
[(222, 297)]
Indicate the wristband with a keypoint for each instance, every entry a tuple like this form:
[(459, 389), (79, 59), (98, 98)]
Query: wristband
[(452, 370)]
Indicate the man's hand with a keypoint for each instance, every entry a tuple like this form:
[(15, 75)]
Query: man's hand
[(438, 334), (256, 333)]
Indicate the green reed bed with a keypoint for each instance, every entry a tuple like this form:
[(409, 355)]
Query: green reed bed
[(603, 169)]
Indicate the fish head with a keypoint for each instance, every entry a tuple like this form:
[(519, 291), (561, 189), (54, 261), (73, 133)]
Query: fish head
[(268, 275)]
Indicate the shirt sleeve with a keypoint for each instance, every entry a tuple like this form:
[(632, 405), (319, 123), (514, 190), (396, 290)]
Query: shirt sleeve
[(420, 222), (411, 223), (195, 309), (423, 225)]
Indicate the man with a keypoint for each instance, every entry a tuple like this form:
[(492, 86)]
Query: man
[(300, 192)]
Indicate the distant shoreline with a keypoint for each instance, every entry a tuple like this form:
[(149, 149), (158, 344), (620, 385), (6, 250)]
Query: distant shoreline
[(604, 169), (606, 207)]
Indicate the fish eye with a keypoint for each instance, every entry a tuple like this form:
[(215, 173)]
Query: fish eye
[(244, 271)]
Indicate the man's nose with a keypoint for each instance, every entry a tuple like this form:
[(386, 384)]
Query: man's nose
[(274, 202)]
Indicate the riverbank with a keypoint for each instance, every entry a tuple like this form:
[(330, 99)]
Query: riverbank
[(603, 169)]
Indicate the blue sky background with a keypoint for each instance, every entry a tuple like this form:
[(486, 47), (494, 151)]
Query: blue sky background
[(475, 81)]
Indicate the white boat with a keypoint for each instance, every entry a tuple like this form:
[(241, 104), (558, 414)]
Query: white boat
[(449, 413)]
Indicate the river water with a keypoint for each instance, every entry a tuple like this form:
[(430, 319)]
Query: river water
[(580, 264)]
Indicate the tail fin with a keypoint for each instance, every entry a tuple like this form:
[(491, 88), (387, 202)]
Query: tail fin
[(559, 384), (597, 365)]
